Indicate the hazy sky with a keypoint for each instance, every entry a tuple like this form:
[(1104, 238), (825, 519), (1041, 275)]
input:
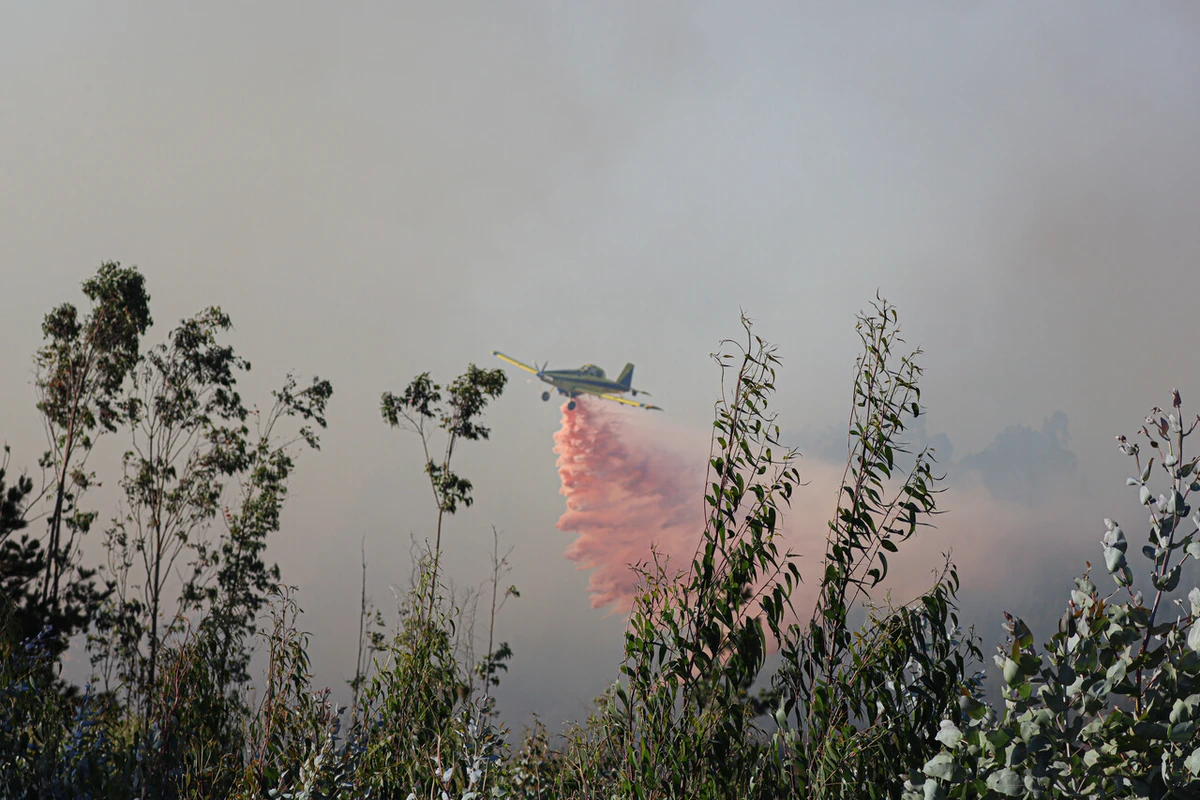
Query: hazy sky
[(372, 192)]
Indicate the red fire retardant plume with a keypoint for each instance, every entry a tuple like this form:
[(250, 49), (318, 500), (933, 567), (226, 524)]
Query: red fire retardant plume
[(626, 491)]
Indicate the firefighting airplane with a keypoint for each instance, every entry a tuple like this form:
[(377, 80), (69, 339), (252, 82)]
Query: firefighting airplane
[(588, 379)]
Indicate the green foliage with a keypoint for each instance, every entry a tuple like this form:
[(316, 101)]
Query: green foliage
[(232, 583), (80, 371), (851, 708), (679, 723), (420, 407), (189, 442), (858, 708), (187, 436), (85, 362), (1109, 707), (870, 698), (22, 559), (409, 705), (50, 747)]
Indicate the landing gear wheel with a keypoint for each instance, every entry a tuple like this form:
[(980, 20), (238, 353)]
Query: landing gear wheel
[(545, 395), (571, 406), (634, 392)]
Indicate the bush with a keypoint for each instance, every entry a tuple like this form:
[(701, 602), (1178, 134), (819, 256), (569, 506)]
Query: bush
[(1110, 707)]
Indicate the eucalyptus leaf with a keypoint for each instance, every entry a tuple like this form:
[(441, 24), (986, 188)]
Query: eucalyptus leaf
[(1114, 559), (943, 766), (1006, 782), (1193, 762), (1168, 582), (1115, 537), (1184, 709), (949, 734)]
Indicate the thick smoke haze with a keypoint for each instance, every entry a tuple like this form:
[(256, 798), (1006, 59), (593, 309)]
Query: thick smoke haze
[(375, 191)]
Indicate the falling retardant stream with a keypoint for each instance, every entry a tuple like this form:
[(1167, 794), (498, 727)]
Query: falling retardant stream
[(627, 491)]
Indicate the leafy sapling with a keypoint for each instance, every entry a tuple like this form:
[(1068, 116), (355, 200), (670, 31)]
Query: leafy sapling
[(858, 707), (420, 408)]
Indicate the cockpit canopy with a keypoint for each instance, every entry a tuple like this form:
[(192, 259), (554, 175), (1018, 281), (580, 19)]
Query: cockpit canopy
[(592, 370)]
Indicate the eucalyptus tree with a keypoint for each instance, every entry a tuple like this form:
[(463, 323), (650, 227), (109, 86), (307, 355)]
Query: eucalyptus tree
[(80, 371), (188, 435), (858, 707), (230, 581), (420, 408), (680, 724)]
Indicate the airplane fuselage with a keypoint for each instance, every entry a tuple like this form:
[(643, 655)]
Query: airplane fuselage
[(571, 383)]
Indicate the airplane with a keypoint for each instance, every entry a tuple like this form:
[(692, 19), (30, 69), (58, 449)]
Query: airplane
[(588, 379)]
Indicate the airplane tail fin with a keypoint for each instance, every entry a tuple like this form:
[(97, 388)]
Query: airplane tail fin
[(626, 377)]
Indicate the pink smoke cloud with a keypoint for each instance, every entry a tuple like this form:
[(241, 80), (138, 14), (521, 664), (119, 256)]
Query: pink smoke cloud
[(627, 490)]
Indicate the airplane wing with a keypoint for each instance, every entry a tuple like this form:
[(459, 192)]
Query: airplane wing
[(628, 402), (514, 362)]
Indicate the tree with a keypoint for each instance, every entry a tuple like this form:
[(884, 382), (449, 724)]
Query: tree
[(417, 410), (414, 713), (188, 432), (80, 371), (232, 582)]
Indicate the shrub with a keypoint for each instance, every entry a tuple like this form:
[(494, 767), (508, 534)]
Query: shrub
[(1111, 704)]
